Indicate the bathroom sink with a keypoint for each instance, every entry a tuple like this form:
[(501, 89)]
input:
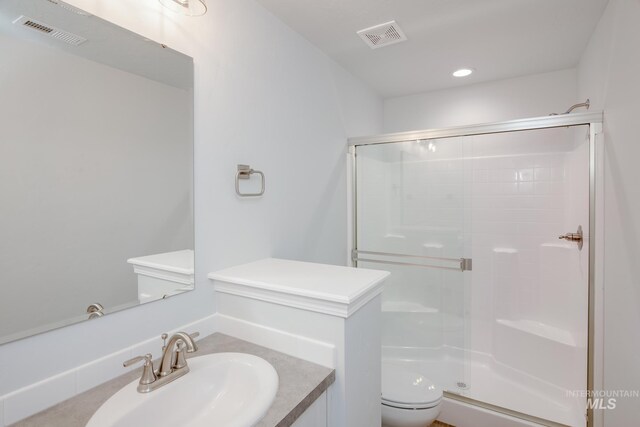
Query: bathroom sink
[(222, 390)]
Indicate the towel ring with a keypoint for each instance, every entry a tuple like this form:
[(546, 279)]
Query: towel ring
[(245, 172)]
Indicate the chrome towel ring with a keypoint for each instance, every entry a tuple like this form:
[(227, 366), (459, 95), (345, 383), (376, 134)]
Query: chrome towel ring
[(245, 172)]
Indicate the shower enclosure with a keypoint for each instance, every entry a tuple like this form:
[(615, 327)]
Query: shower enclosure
[(488, 233)]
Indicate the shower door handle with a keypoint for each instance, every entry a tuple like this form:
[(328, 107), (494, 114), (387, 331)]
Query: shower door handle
[(574, 237), (464, 264)]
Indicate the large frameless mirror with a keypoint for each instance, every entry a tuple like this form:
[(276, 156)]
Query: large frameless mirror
[(96, 168)]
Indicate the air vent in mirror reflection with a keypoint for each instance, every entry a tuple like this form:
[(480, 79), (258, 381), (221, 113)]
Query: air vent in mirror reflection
[(50, 31)]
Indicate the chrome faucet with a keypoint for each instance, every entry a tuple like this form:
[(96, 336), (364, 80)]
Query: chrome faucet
[(173, 363)]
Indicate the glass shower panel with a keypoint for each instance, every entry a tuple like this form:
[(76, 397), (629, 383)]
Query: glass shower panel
[(410, 210), (527, 321)]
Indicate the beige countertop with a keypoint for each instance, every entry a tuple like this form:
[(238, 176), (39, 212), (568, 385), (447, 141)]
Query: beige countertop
[(300, 384)]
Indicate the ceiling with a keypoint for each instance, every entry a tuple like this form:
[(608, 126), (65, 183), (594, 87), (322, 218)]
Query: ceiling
[(498, 38)]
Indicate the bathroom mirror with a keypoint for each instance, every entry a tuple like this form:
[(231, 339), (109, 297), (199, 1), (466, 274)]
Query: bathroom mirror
[(96, 168)]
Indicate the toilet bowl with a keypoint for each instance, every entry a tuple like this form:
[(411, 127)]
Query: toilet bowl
[(408, 398)]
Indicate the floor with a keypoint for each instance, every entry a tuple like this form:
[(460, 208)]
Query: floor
[(440, 424)]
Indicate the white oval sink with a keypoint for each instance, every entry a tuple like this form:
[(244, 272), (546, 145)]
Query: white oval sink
[(222, 389)]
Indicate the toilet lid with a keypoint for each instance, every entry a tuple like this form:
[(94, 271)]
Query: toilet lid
[(404, 388)]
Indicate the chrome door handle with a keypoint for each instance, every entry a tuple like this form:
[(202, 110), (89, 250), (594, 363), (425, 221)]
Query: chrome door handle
[(574, 237)]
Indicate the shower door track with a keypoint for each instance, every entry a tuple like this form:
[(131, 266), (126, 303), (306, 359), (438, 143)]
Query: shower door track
[(500, 409), (594, 121)]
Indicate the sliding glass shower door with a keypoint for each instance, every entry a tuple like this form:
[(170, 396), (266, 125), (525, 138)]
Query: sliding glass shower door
[(410, 213), (484, 298)]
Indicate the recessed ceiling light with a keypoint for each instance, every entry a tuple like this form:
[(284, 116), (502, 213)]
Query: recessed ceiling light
[(463, 72)]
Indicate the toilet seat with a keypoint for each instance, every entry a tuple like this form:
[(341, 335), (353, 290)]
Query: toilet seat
[(412, 406), (406, 389)]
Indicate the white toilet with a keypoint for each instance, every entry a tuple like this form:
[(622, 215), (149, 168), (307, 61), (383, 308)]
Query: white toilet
[(408, 398)]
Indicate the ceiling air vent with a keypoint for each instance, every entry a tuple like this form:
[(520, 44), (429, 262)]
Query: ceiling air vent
[(50, 31), (382, 35)]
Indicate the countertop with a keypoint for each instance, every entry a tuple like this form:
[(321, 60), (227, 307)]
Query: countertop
[(300, 384)]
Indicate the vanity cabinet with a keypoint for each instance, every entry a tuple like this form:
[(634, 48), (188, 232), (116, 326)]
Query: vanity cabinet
[(315, 415)]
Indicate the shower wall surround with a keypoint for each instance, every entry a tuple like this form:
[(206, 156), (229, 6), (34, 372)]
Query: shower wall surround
[(303, 106)]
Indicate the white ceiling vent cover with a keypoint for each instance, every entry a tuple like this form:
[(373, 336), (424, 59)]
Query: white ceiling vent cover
[(382, 35), (50, 31)]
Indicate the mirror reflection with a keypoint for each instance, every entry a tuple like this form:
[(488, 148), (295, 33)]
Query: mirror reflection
[(96, 168)]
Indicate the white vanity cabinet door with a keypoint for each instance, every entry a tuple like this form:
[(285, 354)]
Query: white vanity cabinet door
[(315, 415)]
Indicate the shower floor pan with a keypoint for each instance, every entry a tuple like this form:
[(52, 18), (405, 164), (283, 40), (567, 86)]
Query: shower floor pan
[(490, 382)]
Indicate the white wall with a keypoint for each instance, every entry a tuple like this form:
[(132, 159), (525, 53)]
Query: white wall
[(263, 96), (77, 204), (518, 98), (608, 74)]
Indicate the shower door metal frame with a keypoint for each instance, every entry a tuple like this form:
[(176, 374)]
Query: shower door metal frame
[(594, 120)]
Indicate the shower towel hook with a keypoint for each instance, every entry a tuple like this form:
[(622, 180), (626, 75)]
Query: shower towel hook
[(245, 172)]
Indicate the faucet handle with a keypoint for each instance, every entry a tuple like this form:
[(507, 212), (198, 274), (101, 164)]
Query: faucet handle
[(146, 358), (180, 360), (148, 376)]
